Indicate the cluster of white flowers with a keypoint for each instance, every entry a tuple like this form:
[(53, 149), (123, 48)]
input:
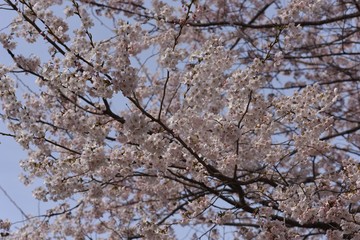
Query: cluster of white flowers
[(5, 224), (7, 41), (299, 8), (208, 136)]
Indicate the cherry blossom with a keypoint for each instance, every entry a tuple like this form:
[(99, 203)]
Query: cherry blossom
[(141, 117)]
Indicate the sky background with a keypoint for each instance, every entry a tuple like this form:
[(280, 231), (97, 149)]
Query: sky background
[(10, 155)]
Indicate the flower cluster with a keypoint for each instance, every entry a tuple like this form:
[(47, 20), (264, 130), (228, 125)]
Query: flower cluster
[(146, 116)]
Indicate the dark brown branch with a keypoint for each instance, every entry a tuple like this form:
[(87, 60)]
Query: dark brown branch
[(352, 130)]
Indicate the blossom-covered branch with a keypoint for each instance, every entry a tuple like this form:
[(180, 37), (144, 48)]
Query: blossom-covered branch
[(142, 117)]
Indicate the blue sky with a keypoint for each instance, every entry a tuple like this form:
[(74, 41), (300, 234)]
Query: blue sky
[(10, 155)]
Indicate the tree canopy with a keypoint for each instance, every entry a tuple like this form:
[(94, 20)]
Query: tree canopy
[(141, 117)]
